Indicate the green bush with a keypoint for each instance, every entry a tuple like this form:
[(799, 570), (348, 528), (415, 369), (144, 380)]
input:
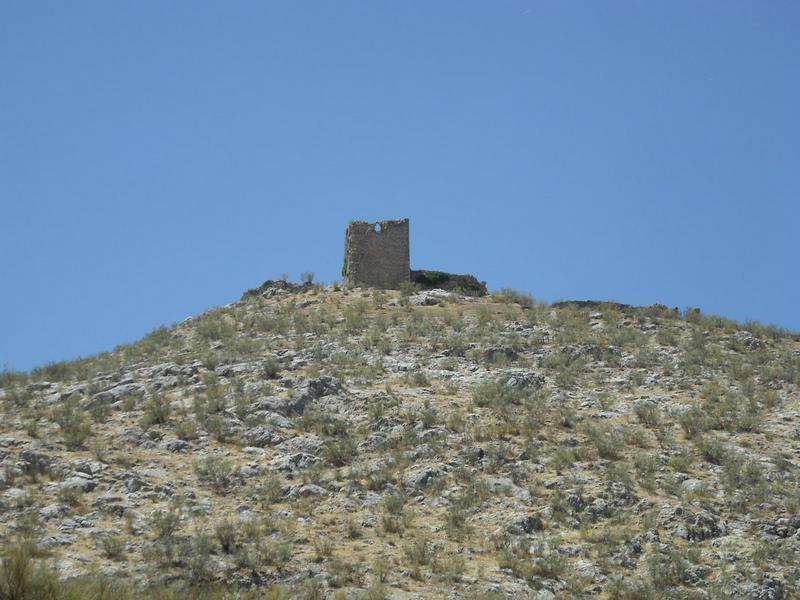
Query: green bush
[(214, 326), (219, 473), (227, 534), (113, 547), (647, 413), (340, 452), (667, 569), (712, 450), (23, 577), (198, 558), (11, 379), (218, 427), (271, 489), (75, 427), (270, 367), (186, 430), (512, 296), (693, 421), (607, 440), (419, 552), (156, 410), (166, 523), (497, 395)]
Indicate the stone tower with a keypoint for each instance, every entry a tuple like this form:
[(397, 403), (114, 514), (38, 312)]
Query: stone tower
[(376, 254)]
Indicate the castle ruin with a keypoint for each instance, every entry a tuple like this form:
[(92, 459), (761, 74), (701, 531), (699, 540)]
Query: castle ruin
[(377, 255)]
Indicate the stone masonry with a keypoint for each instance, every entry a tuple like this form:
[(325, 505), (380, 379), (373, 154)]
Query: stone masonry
[(377, 254)]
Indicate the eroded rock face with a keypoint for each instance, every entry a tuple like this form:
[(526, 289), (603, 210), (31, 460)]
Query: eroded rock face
[(32, 461), (418, 479), (699, 526), (313, 389), (527, 524), (306, 395), (118, 392), (262, 436), (693, 523), (520, 380), (294, 463), (429, 297), (769, 588), (495, 353), (272, 288), (287, 407)]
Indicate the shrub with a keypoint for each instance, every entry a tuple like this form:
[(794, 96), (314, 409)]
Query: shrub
[(428, 416), (218, 427), (378, 479), (323, 548), (156, 410), (497, 395), (667, 569), (271, 489), (70, 495), (198, 557), (607, 440), (419, 552), (17, 398), (340, 573), (270, 367), (214, 326), (166, 523), (56, 371), (113, 547), (693, 421), (75, 427), (22, 577), (563, 458), (647, 413), (456, 521), (712, 450), (633, 435), (12, 378), (646, 468), (681, 462), (355, 317), (219, 473), (512, 296), (393, 502), (549, 564), (394, 517), (277, 552), (227, 534), (339, 452), (451, 568), (187, 430), (352, 527)]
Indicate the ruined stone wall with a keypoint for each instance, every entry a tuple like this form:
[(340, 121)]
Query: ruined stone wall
[(376, 254), (462, 284)]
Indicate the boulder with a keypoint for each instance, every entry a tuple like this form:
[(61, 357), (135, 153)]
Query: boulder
[(418, 479), (526, 524), (80, 483), (262, 436), (520, 380)]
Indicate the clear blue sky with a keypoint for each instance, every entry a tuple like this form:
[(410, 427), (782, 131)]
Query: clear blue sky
[(158, 158)]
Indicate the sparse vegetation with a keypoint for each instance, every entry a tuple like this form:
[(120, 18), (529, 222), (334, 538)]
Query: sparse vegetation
[(384, 442)]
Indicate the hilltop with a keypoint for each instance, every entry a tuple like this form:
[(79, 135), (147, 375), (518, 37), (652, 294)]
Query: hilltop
[(312, 441)]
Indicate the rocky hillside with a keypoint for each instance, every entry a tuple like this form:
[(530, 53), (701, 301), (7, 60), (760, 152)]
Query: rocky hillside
[(314, 442)]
